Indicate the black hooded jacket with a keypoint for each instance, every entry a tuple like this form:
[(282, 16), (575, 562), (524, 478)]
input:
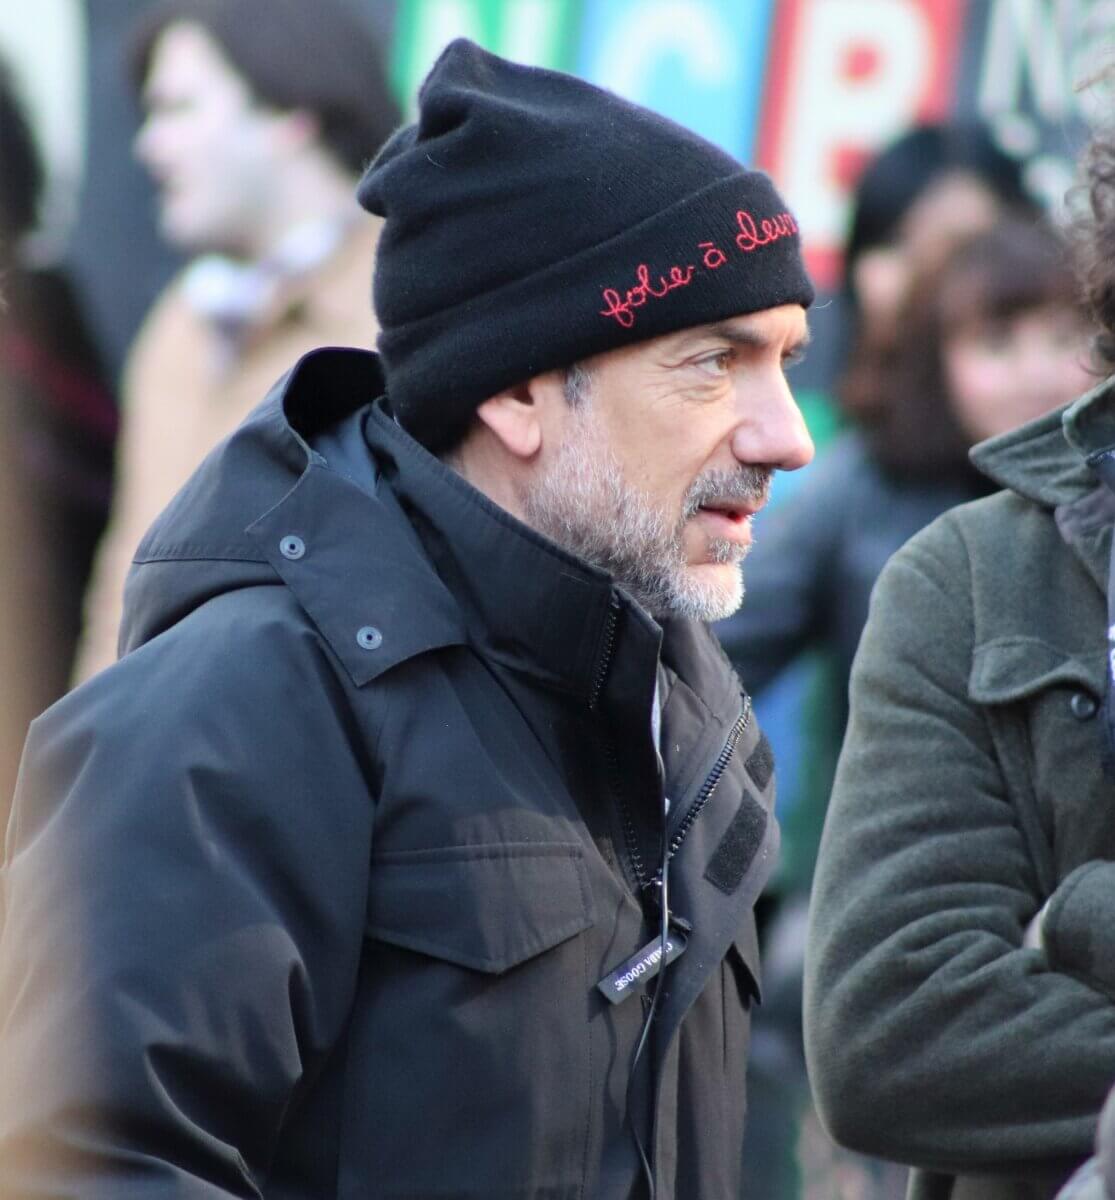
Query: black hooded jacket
[(309, 894)]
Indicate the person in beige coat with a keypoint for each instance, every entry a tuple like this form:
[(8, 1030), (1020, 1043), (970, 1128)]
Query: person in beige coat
[(259, 115)]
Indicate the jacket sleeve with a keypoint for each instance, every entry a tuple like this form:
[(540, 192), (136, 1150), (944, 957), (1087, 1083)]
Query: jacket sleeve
[(932, 1037), (184, 894), (1078, 930), (788, 574)]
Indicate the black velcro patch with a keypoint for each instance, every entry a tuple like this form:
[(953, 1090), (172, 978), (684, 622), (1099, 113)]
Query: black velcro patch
[(738, 846), (760, 764)]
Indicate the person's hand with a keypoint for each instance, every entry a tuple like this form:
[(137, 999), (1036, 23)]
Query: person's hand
[(1086, 1184), (1032, 939)]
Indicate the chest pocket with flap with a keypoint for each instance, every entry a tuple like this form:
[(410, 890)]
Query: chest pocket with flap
[(485, 907), (469, 1029), (1045, 708)]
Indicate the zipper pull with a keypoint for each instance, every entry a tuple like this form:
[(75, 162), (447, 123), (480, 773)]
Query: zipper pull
[(653, 890)]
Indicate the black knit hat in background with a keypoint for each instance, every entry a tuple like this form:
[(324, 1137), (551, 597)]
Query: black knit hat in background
[(533, 220)]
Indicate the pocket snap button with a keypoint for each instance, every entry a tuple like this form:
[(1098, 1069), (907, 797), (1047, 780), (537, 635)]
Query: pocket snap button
[(1083, 706), (369, 637), (292, 546)]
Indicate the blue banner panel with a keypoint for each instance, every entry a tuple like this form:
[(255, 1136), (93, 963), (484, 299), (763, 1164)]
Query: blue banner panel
[(697, 61)]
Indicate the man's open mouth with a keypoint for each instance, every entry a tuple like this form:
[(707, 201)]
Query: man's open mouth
[(732, 511)]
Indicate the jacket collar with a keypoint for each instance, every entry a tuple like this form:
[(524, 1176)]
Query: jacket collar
[(1089, 422), (414, 551), (526, 602), (1049, 462), (347, 554), (1046, 459), (530, 604)]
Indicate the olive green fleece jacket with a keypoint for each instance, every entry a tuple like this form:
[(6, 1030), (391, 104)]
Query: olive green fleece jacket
[(971, 789)]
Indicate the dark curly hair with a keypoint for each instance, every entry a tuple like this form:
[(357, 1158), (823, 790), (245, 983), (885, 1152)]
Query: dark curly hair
[(905, 169), (1092, 234), (991, 276)]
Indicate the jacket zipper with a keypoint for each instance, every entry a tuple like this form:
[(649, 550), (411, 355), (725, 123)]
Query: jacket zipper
[(606, 657), (611, 758), (708, 788), (712, 780)]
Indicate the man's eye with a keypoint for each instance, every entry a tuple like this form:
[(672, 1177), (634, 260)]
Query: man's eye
[(716, 364)]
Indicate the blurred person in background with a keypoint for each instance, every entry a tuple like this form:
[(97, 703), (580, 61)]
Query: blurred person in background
[(260, 115), (57, 425), (820, 555), (931, 186), (959, 1008), (1001, 339), (993, 337), (930, 189)]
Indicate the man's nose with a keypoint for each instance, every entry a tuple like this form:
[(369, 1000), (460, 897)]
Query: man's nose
[(773, 432)]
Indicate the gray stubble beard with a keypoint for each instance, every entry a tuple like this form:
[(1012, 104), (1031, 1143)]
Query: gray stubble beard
[(585, 505)]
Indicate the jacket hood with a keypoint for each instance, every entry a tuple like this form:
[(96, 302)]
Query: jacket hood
[(266, 508), (1046, 459)]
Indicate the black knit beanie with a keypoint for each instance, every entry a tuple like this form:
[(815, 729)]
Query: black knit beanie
[(533, 220)]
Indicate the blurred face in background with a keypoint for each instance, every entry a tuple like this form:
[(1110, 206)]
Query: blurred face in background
[(1003, 371), (209, 145), (953, 207)]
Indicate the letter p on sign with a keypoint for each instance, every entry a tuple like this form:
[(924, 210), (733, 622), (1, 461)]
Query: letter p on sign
[(846, 77)]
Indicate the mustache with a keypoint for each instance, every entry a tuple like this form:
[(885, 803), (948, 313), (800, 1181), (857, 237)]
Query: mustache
[(748, 485)]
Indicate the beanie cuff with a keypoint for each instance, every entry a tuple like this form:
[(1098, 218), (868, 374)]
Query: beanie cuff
[(724, 251)]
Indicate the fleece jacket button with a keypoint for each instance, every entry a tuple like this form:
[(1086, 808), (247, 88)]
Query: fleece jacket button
[(292, 547), (369, 637), (1083, 706)]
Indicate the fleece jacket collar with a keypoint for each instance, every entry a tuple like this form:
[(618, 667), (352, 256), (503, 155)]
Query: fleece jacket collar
[(1045, 460), (1049, 461), (529, 604)]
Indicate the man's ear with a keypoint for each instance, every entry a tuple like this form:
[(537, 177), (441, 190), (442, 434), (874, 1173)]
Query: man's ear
[(513, 416)]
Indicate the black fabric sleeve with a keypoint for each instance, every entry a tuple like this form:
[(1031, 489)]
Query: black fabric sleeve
[(184, 883), (1078, 929)]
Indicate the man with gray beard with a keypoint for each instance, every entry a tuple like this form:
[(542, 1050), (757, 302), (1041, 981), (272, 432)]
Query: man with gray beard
[(433, 868), (584, 502)]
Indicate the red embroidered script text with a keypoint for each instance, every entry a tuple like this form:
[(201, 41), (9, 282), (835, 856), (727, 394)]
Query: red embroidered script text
[(751, 237), (770, 230), (622, 308)]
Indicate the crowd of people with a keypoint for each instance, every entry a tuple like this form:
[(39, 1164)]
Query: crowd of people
[(434, 737)]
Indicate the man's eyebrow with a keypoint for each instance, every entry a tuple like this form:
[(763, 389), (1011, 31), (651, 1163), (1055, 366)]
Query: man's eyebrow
[(750, 338)]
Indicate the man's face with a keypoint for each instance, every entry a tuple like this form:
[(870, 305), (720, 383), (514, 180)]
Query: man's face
[(209, 146), (654, 475)]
